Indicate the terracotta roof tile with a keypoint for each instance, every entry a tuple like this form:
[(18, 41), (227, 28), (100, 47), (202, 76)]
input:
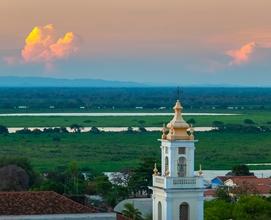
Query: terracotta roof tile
[(223, 178), (256, 185), (242, 177), (38, 203), (263, 189), (209, 192)]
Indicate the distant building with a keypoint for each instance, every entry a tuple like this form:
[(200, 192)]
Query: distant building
[(243, 184), (249, 185), (236, 180), (22, 107), (162, 108), (218, 181)]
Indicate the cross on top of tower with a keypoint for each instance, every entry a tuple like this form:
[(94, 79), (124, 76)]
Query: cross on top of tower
[(179, 93)]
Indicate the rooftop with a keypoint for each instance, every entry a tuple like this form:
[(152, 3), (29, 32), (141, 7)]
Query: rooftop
[(39, 203)]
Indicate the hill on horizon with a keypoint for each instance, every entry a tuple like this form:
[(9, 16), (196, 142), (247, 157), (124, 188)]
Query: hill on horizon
[(17, 81), (28, 82)]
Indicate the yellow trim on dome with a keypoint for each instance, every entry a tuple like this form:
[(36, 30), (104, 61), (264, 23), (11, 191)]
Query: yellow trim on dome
[(177, 126)]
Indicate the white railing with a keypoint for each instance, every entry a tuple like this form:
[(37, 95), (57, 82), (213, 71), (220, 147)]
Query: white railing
[(177, 182), (184, 181)]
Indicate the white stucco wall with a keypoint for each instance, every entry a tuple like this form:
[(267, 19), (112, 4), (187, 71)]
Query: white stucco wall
[(180, 190), (174, 156), (172, 200)]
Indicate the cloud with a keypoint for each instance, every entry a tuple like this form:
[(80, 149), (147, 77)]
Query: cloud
[(42, 45), (243, 54)]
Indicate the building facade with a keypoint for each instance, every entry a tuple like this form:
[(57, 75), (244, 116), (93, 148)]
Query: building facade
[(177, 192)]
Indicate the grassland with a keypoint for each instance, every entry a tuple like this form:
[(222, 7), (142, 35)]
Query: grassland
[(114, 151), (260, 117)]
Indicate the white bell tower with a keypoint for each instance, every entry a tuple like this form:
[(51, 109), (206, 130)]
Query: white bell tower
[(177, 192)]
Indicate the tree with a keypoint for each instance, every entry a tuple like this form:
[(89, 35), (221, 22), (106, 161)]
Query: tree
[(103, 185), (68, 181), (251, 208), (55, 130), (241, 170), (3, 129), (36, 131), (24, 131), (74, 175), (191, 121), (23, 163), (116, 194), (218, 210), (13, 178), (63, 130), (51, 185), (218, 124), (111, 193), (142, 129), (95, 130), (76, 128), (131, 212), (130, 130), (223, 194), (141, 176), (249, 122)]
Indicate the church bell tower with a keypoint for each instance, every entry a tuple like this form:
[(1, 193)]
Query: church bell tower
[(177, 191)]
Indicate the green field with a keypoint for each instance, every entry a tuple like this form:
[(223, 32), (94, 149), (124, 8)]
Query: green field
[(114, 151), (260, 117)]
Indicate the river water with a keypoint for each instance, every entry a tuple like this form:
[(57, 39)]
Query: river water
[(110, 129), (89, 114)]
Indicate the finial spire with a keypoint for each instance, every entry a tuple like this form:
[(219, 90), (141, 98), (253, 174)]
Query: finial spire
[(155, 170), (164, 132), (200, 170), (191, 130)]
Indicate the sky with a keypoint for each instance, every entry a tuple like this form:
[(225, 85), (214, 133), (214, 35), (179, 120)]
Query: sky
[(188, 42)]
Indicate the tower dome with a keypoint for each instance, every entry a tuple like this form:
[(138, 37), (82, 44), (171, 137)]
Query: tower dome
[(178, 127)]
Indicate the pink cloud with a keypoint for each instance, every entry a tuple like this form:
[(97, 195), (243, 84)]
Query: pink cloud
[(42, 46), (243, 54)]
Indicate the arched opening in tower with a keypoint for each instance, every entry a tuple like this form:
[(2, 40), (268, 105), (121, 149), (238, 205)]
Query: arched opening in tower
[(184, 211)]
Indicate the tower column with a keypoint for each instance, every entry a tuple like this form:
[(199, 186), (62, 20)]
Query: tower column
[(169, 209), (162, 162), (171, 162), (177, 192)]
